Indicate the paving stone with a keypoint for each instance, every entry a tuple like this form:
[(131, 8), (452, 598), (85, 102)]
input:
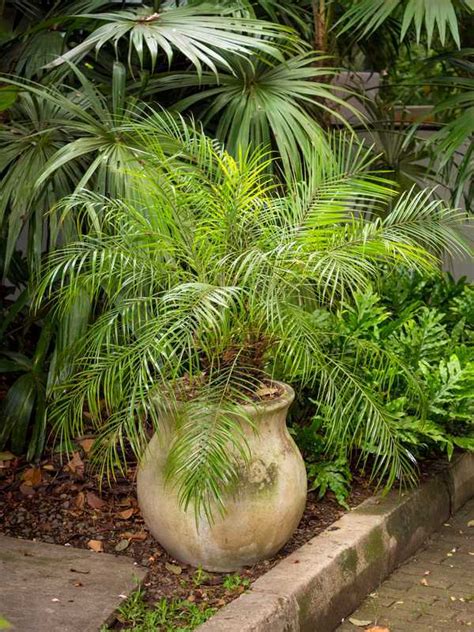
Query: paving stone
[(52, 588), (446, 603)]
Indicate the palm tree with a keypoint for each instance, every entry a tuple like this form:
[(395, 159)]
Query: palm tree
[(204, 281)]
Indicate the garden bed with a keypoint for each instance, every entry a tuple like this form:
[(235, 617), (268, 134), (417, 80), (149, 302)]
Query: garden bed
[(317, 586), (61, 503)]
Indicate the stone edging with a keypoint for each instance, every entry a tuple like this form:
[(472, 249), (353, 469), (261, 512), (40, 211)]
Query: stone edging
[(329, 576)]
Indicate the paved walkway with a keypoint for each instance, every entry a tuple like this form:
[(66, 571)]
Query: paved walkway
[(52, 588), (433, 591)]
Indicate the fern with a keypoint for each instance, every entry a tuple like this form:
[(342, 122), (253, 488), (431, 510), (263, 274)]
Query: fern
[(421, 338), (450, 386), (334, 476)]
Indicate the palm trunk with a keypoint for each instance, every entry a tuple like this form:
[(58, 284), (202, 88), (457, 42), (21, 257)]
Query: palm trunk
[(320, 43), (320, 25)]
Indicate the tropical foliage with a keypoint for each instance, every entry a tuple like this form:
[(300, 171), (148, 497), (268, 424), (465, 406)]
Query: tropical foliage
[(427, 324), (90, 98), (205, 274), (366, 16)]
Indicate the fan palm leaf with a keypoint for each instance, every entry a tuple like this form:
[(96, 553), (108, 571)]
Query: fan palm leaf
[(453, 141), (366, 16), (59, 138), (202, 33), (271, 104)]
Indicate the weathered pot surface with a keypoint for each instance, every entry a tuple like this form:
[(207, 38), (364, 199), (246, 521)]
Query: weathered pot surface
[(261, 513)]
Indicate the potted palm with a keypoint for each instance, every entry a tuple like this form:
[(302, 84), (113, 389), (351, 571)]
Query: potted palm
[(204, 283)]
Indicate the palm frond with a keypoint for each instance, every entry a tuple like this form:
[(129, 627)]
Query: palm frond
[(202, 33), (367, 16), (274, 105)]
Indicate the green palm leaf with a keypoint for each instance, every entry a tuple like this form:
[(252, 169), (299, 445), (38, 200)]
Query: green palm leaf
[(202, 33), (265, 104), (59, 139), (366, 16)]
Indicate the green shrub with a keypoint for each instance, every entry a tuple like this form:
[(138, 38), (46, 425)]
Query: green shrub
[(425, 326)]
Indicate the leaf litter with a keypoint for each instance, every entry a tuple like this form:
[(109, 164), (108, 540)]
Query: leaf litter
[(64, 503)]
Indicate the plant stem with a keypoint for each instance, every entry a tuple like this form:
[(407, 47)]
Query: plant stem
[(320, 25)]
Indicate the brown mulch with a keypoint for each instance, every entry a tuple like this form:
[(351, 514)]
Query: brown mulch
[(62, 503)]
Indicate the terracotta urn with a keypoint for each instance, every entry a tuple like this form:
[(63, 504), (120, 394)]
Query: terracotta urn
[(261, 512)]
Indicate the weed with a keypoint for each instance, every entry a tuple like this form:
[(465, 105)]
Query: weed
[(200, 577), (166, 616), (233, 582)]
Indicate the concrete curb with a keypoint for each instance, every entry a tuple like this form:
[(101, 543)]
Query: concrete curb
[(328, 577)]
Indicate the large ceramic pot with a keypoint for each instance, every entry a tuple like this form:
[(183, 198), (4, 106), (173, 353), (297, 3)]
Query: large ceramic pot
[(262, 512)]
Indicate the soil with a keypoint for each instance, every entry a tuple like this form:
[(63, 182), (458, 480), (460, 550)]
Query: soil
[(61, 502), (266, 390)]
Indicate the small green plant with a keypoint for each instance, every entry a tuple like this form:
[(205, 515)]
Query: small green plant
[(334, 476), (234, 582), (424, 328), (164, 616), (200, 577), (323, 475)]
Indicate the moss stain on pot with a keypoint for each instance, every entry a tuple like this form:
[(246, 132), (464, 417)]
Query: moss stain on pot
[(257, 478)]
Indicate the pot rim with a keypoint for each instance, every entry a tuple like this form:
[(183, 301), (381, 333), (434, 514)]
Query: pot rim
[(272, 405), (260, 407)]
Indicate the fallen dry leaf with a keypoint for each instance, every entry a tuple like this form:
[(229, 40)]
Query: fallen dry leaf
[(49, 467), (27, 490), (139, 535), (94, 501), (266, 391), (359, 622), (76, 465), (96, 545), (377, 628), (32, 476), (86, 444), (128, 513), (80, 500), (122, 545), (470, 523), (7, 456), (173, 568), (424, 582)]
